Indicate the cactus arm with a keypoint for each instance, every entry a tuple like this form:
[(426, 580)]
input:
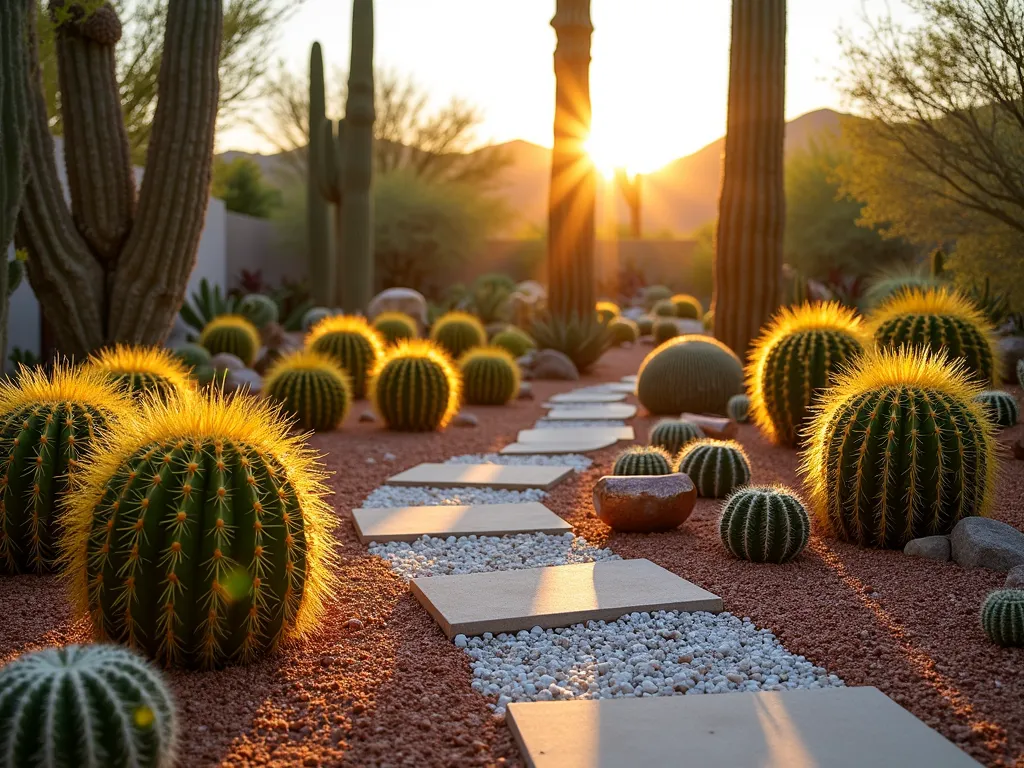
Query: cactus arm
[(321, 266)]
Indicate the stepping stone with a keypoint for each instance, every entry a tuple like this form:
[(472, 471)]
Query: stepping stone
[(497, 476), (829, 728), (623, 387), (549, 436), (556, 596), (410, 523), (611, 411), (586, 397), (631, 379), (560, 447)]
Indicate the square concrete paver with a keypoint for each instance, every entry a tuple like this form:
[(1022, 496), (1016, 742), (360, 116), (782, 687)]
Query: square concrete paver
[(587, 397), (410, 523), (830, 728), (576, 445), (609, 411), (497, 476), (556, 596), (575, 433)]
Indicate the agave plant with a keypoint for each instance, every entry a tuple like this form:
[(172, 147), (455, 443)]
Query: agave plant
[(582, 339)]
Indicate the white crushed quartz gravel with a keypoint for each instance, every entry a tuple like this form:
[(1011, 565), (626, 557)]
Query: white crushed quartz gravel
[(388, 496), (641, 654), (577, 461), (429, 556), (557, 424)]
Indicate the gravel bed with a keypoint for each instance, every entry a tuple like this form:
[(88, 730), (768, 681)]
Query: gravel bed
[(418, 496), (641, 654), (577, 461), (556, 424), (429, 556)]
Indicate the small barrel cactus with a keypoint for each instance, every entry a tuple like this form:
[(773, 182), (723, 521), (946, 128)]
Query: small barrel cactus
[(794, 359), (140, 369), (314, 315), (643, 460), (47, 423), (645, 325), (515, 340), (394, 326), (694, 374), (260, 310), (607, 311), (458, 332), (1002, 617), (353, 345), (192, 355), (687, 306), (1020, 373), (673, 435), (665, 308), (1000, 407), (738, 408), (899, 449), (199, 534), (94, 706), (717, 467), (234, 335), (665, 330), (655, 293), (415, 387), (764, 524), (623, 331), (490, 376), (312, 387), (942, 321)]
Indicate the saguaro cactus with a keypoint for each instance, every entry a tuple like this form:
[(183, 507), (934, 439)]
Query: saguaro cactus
[(321, 265), (751, 212), (631, 189)]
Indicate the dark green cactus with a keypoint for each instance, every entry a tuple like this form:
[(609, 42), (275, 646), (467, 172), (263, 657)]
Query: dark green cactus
[(689, 374), (321, 262), (260, 310), (233, 335), (458, 332), (1020, 373), (142, 370), (1000, 407), (623, 331), (738, 408), (665, 330), (88, 706), (515, 340), (645, 325), (687, 306), (353, 345), (490, 376), (764, 524), (192, 355), (716, 467), (643, 460), (395, 326), (665, 308), (673, 434), (312, 388), (1002, 617), (415, 387)]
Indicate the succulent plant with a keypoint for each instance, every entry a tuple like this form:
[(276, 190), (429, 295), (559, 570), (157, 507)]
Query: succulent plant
[(607, 311), (192, 355), (393, 326), (687, 306), (490, 376), (314, 315), (198, 533), (664, 308), (312, 387), (695, 374), (899, 449), (665, 330), (793, 361), (515, 340), (940, 320), (643, 460), (645, 325), (764, 524), (47, 424), (1002, 617), (353, 345), (582, 339), (94, 706), (717, 467), (738, 409), (415, 387), (141, 369), (623, 331), (1000, 407), (234, 335), (458, 332), (260, 310), (673, 434)]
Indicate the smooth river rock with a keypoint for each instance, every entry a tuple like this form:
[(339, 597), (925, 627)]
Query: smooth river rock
[(932, 547), (980, 542), (644, 503), (552, 364)]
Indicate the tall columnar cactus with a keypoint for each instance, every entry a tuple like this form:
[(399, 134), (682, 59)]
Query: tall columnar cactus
[(899, 449), (764, 524), (114, 266), (199, 533), (717, 467), (458, 332), (353, 345), (643, 460), (794, 359), (415, 387), (321, 262), (673, 435), (490, 376), (88, 706), (751, 211), (312, 388), (233, 335), (1000, 407), (142, 369), (695, 374), (1002, 617)]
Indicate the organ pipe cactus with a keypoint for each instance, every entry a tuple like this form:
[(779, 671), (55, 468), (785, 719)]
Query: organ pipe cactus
[(233, 335), (674, 434), (142, 369), (717, 467), (1002, 617), (1000, 406), (643, 460), (490, 376), (353, 345), (312, 387), (415, 387), (764, 524), (695, 374)]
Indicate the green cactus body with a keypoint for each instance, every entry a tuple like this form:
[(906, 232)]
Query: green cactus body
[(234, 335), (1020, 373), (665, 330), (142, 370), (673, 435), (1002, 617), (314, 315), (458, 332), (353, 345), (1000, 407), (260, 310), (623, 331), (689, 374), (764, 524), (655, 293), (643, 460), (716, 467), (738, 408), (490, 376), (416, 388), (89, 706), (645, 325), (515, 340), (664, 308), (192, 355), (607, 311), (687, 307), (321, 263), (311, 387)]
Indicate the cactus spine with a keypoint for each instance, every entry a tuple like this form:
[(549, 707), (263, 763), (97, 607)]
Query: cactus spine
[(674, 434), (312, 387), (717, 467), (415, 387), (738, 408), (643, 460), (1000, 407), (695, 374), (321, 264), (233, 335), (1002, 617), (764, 524), (142, 369), (490, 376), (353, 345)]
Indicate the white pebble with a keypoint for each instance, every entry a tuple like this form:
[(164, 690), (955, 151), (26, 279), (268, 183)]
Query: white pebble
[(417, 496)]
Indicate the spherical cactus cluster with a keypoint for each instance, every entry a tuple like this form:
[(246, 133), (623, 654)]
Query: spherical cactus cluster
[(192, 355), (695, 374), (490, 376), (738, 408), (664, 330), (352, 344), (311, 387), (48, 422), (672, 435), (643, 460), (1000, 407), (716, 467), (141, 369), (395, 326), (794, 360), (260, 310), (86, 705), (687, 306), (764, 524), (645, 325), (458, 332), (234, 335), (623, 331), (515, 340), (199, 534), (899, 449), (607, 310), (940, 320), (415, 387), (664, 308), (1002, 617)]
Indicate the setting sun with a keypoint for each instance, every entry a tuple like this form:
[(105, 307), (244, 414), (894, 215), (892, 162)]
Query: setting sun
[(612, 147)]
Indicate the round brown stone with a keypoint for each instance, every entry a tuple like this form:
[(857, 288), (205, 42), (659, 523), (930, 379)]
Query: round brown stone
[(644, 503)]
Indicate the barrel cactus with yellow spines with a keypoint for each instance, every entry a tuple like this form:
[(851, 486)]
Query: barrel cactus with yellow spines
[(716, 467), (607, 310), (514, 339), (623, 331), (311, 387), (673, 435), (233, 335), (899, 449), (689, 374), (490, 376), (140, 369), (458, 332), (940, 320), (794, 359), (415, 387), (687, 306), (199, 534), (664, 330), (352, 343), (1000, 406), (394, 326), (643, 460)]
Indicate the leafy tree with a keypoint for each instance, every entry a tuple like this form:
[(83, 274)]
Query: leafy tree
[(240, 184)]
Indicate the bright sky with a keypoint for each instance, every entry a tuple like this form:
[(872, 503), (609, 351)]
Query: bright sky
[(659, 75)]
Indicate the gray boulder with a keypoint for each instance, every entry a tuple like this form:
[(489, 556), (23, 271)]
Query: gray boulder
[(931, 547), (245, 380), (465, 420), (979, 542), (227, 362), (552, 364)]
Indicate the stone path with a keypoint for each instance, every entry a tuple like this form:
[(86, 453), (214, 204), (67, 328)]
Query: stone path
[(509, 478), (411, 523)]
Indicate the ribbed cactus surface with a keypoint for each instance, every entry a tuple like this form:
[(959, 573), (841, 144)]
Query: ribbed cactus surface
[(899, 449), (88, 706), (764, 524), (258, 309), (517, 341), (353, 345), (311, 387), (695, 374), (643, 460), (415, 387), (394, 326), (673, 434), (142, 369), (716, 467), (192, 355), (623, 331), (1000, 406), (234, 335), (490, 376), (738, 408), (321, 260), (458, 332), (687, 306), (1002, 617)]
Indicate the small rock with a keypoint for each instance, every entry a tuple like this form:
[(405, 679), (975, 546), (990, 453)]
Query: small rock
[(227, 362), (931, 547), (552, 364), (244, 380), (367, 416), (370, 460), (354, 625), (980, 542), (1015, 578), (525, 390), (645, 504), (389, 457), (526, 361), (404, 300), (716, 427), (465, 420)]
